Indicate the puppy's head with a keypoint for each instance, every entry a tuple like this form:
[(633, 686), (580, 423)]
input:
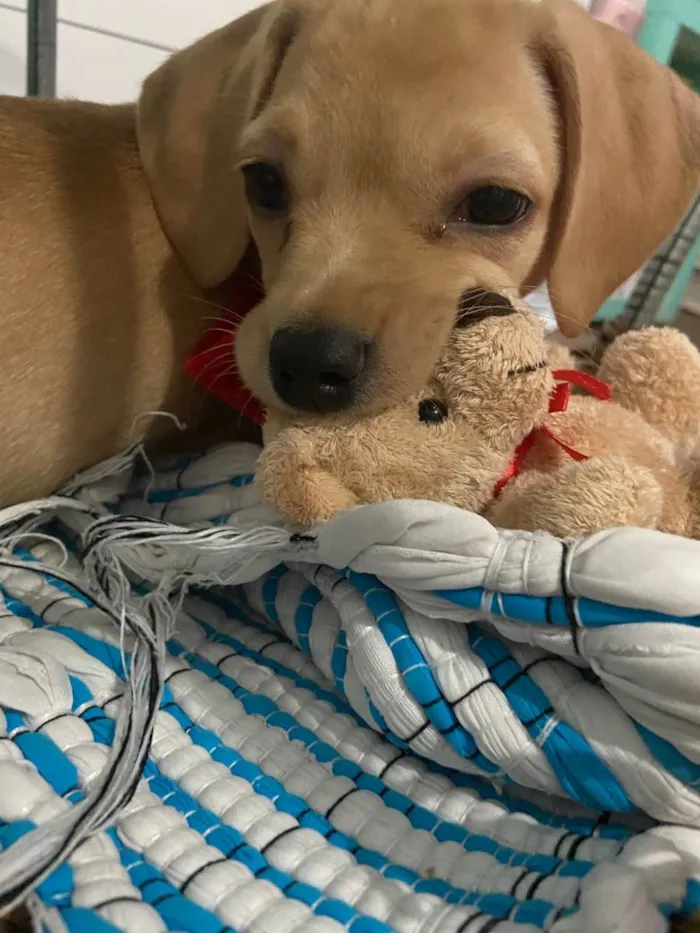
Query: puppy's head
[(390, 157)]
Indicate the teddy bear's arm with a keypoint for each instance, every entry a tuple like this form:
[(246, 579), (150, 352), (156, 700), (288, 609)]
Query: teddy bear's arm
[(291, 477), (580, 499)]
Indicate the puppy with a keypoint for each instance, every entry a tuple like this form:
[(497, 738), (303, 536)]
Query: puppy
[(385, 158)]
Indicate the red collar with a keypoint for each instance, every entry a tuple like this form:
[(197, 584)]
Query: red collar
[(558, 401), (212, 362)]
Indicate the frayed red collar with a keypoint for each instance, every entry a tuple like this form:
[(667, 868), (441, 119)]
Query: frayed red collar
[(212, 361)]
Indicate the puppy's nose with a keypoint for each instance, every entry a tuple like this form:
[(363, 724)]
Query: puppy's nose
[(317, 369)]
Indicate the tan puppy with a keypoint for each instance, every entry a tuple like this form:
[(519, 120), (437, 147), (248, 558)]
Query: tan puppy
[(395, 155)]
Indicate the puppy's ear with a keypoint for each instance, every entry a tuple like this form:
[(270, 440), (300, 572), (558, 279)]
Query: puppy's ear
[(630, 140), (190, 116)]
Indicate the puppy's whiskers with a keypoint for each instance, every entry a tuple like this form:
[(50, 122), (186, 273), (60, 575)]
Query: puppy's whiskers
[(212, 304), (467, 315), (221, 354), (222, 330), (255, 280), (233, 319), (482, 309), (248, 402), (523, 291), (213, 364), (229, 371)]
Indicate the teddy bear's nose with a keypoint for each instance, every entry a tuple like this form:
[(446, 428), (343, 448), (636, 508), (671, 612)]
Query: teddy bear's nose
[(477, 304), (317, 369)]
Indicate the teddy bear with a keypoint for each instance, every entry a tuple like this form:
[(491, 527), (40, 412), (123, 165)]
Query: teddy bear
[(496, 431)]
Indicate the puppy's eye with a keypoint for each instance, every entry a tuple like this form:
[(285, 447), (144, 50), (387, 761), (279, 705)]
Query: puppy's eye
[(492, 206), (430, 411), (265, 187)]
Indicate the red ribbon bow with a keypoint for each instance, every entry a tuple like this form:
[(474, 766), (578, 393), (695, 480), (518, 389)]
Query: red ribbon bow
[(212, 362), (558, 401)]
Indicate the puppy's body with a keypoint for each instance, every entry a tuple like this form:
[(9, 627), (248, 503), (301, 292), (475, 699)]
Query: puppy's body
[(97, 312)]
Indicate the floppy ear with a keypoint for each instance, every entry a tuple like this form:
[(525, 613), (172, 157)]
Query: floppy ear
[(631, 158), (190, 116)]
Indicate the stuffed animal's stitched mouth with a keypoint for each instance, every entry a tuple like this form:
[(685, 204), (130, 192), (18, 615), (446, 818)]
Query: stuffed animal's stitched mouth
[(530, 368)]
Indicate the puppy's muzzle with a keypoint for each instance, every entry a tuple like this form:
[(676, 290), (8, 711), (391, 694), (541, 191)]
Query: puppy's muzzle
[(317, 369)]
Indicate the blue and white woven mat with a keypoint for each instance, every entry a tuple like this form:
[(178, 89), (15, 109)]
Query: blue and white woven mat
[(402, 721)]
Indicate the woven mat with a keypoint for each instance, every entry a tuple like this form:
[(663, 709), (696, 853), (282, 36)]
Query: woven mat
[(280, 793)]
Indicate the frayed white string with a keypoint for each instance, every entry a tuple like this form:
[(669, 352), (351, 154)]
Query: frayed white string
[(156, 552), (24, 518), (180, 425), (33, 857), (30, 539), (44, 919), (115, 466), (121, 465)]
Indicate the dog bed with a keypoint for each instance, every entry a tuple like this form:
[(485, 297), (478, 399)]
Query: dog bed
[(404, 720)]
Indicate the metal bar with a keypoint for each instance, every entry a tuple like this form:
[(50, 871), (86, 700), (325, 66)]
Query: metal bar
[(659, 276), (111, 34), (41, 47)]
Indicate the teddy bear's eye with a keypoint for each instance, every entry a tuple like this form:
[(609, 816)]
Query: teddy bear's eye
[(430, 411)]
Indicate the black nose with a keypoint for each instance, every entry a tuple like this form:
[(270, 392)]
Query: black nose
[(477, 304), (317, 369)]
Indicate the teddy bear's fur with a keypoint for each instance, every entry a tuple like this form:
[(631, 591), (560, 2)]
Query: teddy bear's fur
[(641, 446), (490, 389)]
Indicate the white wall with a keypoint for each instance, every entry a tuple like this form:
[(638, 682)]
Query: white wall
[(12, 53), (107, 47)]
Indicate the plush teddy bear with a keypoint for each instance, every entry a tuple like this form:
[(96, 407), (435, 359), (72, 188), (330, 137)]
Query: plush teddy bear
[(495, 432)]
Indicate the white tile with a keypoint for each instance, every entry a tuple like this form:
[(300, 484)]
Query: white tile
[(13, 52), (13, 4), (172, 23), (92, 66)]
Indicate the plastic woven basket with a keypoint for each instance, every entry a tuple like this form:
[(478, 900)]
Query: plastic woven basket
[(405, 721)]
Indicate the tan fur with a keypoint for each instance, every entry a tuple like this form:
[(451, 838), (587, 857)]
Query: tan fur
[(600, 430), (559, 354), (382, 113), (311, 471), (581, 498), (97, 312), (631, 364), (636, 471)]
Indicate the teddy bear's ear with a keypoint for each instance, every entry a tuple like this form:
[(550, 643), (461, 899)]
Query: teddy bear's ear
[(630, 138)]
